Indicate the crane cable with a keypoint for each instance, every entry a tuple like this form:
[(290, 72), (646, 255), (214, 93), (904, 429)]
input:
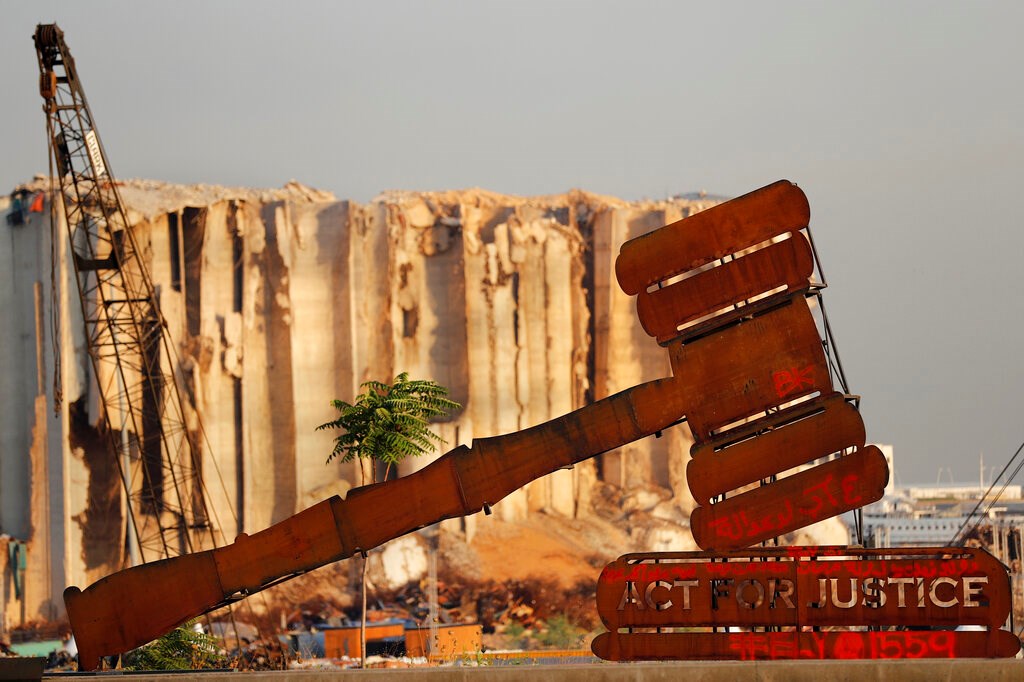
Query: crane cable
[(957, 537)]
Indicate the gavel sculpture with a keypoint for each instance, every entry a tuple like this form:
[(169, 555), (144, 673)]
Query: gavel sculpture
[(725, 291)]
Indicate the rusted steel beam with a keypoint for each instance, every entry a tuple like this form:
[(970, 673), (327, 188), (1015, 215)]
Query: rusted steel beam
[(497, 466), (781, 268), (646, 600), (793, 502), (944, 587), (745, 369), (773, 445), (749, 646), (710, 235)]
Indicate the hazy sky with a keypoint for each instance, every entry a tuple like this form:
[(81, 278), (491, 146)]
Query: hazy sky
[(902, 121)]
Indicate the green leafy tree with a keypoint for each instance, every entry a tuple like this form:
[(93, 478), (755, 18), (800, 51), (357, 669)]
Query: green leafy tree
[(386, 424), (561, 633), (183, 648)]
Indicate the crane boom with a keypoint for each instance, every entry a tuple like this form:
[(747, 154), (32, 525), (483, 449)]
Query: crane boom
[(131, 356)]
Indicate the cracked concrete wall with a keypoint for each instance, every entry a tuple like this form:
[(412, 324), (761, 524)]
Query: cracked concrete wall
[(280, 300), (626, 356), (490, 302), (43, 492)]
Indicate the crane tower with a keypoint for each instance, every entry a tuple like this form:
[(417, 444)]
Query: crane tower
[(151, 434)]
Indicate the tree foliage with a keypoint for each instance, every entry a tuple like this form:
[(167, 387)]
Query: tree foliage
[(388, 423), (183, 648)]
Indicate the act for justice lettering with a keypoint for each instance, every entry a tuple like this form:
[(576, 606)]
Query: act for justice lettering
[(843, 593), (657, 602)]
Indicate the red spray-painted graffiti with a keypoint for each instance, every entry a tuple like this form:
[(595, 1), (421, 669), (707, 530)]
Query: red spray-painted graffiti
[(789, 381)]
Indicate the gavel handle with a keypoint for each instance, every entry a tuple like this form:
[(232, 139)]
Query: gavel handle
[(132, 607)]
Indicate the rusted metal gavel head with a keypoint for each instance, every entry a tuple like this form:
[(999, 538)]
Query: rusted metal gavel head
[(726, 292)]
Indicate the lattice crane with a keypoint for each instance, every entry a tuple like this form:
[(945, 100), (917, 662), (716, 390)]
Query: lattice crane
[(133, 359)]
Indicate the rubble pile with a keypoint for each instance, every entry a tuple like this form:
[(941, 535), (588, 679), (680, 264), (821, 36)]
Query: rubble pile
[(493, 604)]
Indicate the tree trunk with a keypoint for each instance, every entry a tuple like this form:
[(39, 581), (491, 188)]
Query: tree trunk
[(362, 621), (362, 580)]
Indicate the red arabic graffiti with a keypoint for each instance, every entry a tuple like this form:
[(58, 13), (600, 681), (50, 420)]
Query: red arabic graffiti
[(791, 644), (833, 645), (895, 567), (789, 381), (817, 502)]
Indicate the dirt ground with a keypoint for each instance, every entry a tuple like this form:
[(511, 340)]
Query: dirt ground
[(567, 551)]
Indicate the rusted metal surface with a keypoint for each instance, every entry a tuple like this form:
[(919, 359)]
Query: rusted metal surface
[(743, 372), (781, 441), (753, 646), (805, 587), (712, 234), (494, 467), (129, 608), (747, 368), (787, 264), (795, 589), (793, 502)]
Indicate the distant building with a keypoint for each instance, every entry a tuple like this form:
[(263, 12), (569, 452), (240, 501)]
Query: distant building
[(943, 514), (936, 514), (954, 491), (884, 530)]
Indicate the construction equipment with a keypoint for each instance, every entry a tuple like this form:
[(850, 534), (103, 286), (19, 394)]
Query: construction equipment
[(133, 359)]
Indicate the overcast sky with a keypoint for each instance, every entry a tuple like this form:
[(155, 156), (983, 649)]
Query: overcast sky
[(902, 121)]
